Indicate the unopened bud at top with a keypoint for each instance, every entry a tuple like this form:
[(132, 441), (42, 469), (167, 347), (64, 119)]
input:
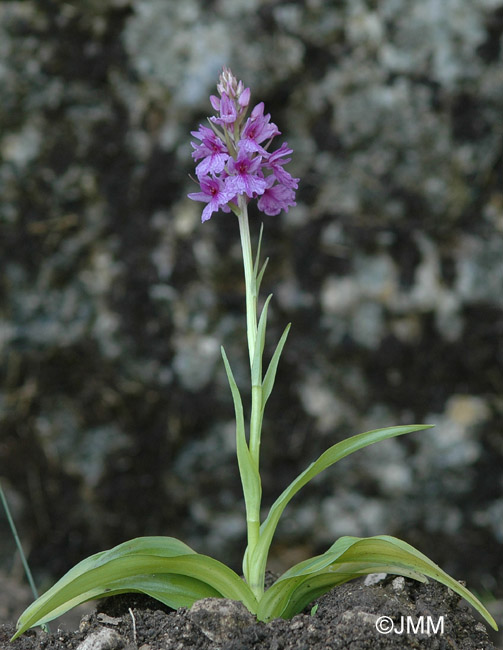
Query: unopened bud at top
[(234, 89)]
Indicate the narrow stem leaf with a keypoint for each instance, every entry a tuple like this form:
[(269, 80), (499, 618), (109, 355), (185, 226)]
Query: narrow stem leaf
[(270, 375), (248, 468), (328, 458), (256, 370), (261, 274)]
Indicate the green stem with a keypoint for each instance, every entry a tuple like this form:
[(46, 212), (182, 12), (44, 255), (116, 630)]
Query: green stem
[(256, 582), (251, 328), (256, 424), (250, 280)]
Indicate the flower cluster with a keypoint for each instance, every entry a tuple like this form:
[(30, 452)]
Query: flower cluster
[(234, 158)]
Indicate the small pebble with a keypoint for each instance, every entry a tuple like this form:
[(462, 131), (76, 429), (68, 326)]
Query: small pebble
[(108, 620), (104, 639), (374, 578), (398, 584)]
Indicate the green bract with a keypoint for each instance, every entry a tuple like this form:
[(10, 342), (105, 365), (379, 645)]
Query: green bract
[(171, 572)]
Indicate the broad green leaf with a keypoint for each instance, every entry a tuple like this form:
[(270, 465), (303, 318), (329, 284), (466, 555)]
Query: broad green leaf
[(250, 477), (145, 565), (155, 545), (258, 557), (287, 598), (270, 375), (349, 558), (319, 562), (171, 589)]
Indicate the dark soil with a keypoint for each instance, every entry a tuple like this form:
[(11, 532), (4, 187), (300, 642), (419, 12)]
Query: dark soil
[(346, 617)]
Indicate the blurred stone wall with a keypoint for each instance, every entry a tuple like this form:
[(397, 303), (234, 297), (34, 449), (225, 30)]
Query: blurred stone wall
[(116, 420)]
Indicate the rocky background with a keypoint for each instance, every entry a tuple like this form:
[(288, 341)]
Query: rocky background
[(116, 419)]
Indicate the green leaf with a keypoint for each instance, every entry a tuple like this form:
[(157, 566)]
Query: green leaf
[(161, 567), (256, 370), (270, 375), (288, 598), (347, 559), (250, 477), (335, 453), (319, 562), (260, 275), (257, 256)]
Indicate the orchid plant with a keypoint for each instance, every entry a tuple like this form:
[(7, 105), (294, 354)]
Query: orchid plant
[(236, 165)]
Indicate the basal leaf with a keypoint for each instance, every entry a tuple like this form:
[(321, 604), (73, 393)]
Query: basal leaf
[(289, 597), (171, 589), (349, 558), (319, 562), (142, 565), (386, 548)]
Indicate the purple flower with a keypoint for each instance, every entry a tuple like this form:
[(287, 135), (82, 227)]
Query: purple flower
[(212, 150), (245, 176), (276, 198), (275, 162), (257, 129), (244, 98), (228, 112), (213, 192)]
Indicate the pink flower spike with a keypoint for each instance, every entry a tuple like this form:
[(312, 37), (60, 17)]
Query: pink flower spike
[(213, 192), (233, 158)]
